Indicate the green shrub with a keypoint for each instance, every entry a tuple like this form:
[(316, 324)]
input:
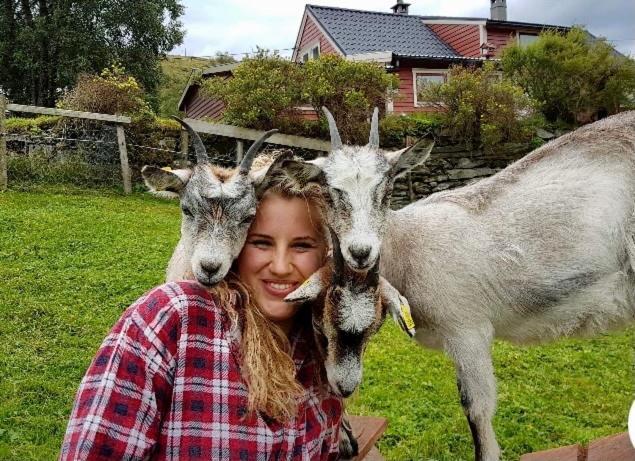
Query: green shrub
[(17, 125), (393, 129), (111, 92), (481, 110), (575, 78)]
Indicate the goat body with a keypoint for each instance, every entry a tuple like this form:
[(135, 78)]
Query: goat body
[(541, 250)]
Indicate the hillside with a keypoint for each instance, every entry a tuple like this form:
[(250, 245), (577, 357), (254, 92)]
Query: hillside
[(176, 70)]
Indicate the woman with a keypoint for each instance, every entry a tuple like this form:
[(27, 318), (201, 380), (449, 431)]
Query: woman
[(226, 373)]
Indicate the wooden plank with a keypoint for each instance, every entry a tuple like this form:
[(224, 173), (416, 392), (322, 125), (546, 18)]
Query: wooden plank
[(367, 430), (240, 149), (123, 156), (231, 131), (568, 453), (185, 142), (3, 146), (68, 113), (613, 448), (373, 455)]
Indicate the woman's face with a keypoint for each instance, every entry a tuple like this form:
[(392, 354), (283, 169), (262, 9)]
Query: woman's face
[(284, 247)]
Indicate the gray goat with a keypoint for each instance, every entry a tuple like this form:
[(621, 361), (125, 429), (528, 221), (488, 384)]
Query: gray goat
[(217, 205), (541, 250)]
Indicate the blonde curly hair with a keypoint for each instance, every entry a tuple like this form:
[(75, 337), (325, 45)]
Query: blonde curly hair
[(265, 352)]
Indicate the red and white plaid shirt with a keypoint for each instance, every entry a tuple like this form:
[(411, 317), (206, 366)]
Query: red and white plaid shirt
[(166, 384)]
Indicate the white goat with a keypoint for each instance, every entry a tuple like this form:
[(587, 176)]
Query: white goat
[(543, 249), (218, 206)]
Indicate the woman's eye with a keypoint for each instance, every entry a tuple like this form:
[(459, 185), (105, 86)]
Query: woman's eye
[(187, 212), (260, 243), (304, 246)]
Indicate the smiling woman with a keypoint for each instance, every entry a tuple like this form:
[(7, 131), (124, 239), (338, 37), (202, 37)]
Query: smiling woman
[(230, 372)]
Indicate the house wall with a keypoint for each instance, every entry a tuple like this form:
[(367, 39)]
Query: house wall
[(500, 38), (310, 35), (464, 38), (404, 102), (199, 106)]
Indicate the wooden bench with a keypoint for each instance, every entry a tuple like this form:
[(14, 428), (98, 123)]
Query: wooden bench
[(612, 448), (367, 430)]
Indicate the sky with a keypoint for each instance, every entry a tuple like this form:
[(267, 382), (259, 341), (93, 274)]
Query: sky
[(239, 26)]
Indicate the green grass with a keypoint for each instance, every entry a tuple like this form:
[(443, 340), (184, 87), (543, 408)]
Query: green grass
[(72, 261)]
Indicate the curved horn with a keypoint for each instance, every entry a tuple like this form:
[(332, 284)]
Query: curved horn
[(373, 140), (248, 159), (336, 141), (199, 148)]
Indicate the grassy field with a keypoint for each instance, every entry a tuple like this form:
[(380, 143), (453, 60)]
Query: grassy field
[(72, 262)]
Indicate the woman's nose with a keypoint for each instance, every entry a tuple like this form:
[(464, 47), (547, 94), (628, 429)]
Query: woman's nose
[(280, 263)]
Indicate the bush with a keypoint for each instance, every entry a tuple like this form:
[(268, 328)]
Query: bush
[(481, 110), (349, 89), (393, 129), (575, 78), (263, 91), (112, 92), (16, 125)]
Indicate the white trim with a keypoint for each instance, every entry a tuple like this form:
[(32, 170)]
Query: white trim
[(294, 56), (455, 21), (421, 70), (483, 36)]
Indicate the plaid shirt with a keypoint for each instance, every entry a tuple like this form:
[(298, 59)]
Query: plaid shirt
[(166, 384)]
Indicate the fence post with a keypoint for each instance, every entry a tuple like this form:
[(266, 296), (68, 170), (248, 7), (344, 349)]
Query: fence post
[(123, 156), (185, 141), (240, 148), (3, 145)]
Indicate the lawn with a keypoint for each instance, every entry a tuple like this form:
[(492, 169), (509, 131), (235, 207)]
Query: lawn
[(73, 261)]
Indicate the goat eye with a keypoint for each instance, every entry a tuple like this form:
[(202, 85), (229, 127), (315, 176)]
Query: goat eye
[(187, 212)]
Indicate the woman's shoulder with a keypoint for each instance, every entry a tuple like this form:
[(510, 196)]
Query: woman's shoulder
[(167, 307)]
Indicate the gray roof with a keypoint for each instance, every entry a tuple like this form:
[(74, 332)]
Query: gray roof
[(356, 31)]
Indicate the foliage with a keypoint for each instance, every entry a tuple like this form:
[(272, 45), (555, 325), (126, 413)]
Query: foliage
[(176, 72), (264, 90), (45, 44), (349, 89), (575, 78), (73, 261), (111, 92), (482, 110), (17, 125), (393, 129)]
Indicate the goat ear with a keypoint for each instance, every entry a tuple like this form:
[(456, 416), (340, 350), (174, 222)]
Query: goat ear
[(397, 305), (310, 289), (160, 180), (406, 159)]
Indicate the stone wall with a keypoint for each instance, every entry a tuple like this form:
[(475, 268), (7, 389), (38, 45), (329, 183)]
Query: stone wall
[(449, 167)]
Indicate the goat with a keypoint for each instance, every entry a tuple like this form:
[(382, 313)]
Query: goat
[(217, 205), (348, 308), (543, 249)]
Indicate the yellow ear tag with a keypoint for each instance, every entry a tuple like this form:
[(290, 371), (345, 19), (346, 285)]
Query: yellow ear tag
[(167, 168), (406, 323)]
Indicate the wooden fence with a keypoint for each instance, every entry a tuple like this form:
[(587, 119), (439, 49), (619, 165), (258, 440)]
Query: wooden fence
[(118, 120)]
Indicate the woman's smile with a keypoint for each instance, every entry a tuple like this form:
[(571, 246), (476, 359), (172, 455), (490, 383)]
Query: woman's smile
[(279, 288)]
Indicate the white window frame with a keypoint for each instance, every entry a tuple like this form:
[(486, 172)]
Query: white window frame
[(309, 50), (418, 70)]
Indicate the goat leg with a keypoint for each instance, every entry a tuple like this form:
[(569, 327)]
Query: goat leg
[(471, 353), (348, 442)]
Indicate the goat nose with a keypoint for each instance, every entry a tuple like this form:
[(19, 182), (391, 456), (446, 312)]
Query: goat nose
[(210, 267), (360, 253)]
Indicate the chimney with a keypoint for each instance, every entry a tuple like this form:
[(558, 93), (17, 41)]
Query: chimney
[(400, 7), (498, 10)]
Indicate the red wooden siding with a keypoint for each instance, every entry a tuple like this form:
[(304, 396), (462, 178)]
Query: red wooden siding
[(312, 34), (200, 106), (500, 38), (404, 102), (464, 38)]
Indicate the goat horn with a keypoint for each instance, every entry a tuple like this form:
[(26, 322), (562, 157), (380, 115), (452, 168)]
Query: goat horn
[(201, 153), (373, 140), (248, 159), (336, 141), (338, 258)]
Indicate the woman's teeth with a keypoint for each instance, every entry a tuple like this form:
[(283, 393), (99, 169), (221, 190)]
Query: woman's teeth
[(281, 286)]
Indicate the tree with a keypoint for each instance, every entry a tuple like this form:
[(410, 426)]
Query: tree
[(575, 77), (49, 43)]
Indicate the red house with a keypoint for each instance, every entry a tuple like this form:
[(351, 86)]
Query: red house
[(419, 49)]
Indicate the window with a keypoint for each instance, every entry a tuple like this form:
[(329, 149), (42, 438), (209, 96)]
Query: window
[(310, 52), (425, 78), (526, 39)]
